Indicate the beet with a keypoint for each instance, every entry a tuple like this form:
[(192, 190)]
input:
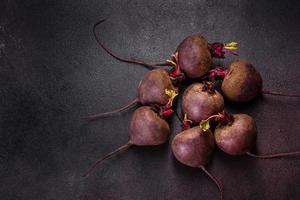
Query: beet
[(242, 82), (200, 101), (151, 89), (194, 57), (237, 138), (194, 147), (237, 135), (156, 88), (147, 128)]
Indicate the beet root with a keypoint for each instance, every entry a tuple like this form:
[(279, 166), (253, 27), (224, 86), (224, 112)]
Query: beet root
[(152, 88), (195, 53), (242, 82), (199, 102), (238, 136), (156, 88), (194, 57), (194, 147), (147, 128)]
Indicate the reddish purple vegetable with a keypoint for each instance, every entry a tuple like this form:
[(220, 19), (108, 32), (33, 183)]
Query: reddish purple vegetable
[(242, 82), (156, 88), (200, 101), (147, 128), (152, 88), (194, 147), (236, 135), (193, 55)]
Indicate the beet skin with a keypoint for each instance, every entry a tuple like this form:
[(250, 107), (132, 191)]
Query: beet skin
[(199, 104), (194, 57), (151, 89), (242, 82), (193, 147), (236, 138), (147, 128)]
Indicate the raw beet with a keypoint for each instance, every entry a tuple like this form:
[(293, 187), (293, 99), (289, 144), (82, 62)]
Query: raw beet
[(194, 57), (193, 147), (151, 89), (237, 137), (147, 128), (156, 88), (199, 102), (242, 82)]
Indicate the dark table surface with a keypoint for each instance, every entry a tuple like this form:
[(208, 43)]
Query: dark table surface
[(52, 71)]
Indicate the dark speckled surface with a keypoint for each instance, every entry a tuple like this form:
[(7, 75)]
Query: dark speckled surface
[(52, 71)]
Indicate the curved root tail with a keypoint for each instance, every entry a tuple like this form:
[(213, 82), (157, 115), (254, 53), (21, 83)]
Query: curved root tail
[(150, 66), (106, 114), (214, 180), (276, 155), (279, 93), (95, 164)]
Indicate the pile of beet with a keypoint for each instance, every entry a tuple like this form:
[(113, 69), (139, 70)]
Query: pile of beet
[(205, 124)]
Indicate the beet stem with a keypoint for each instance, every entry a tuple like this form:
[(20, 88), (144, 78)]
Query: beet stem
[(214, 180), (105, 114), (279, 93), (212, 117), (276, 155), (96, 163), (150, 66)]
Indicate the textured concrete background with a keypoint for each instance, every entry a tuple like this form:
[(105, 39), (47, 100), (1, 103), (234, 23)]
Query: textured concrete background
[(52, 71)]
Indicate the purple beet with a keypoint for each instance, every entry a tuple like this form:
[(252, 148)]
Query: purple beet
[(193, 55), (236, 135), (156, 88), (194, 147), (147, 128), (151, 89), (200, 101), (242, 82)]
